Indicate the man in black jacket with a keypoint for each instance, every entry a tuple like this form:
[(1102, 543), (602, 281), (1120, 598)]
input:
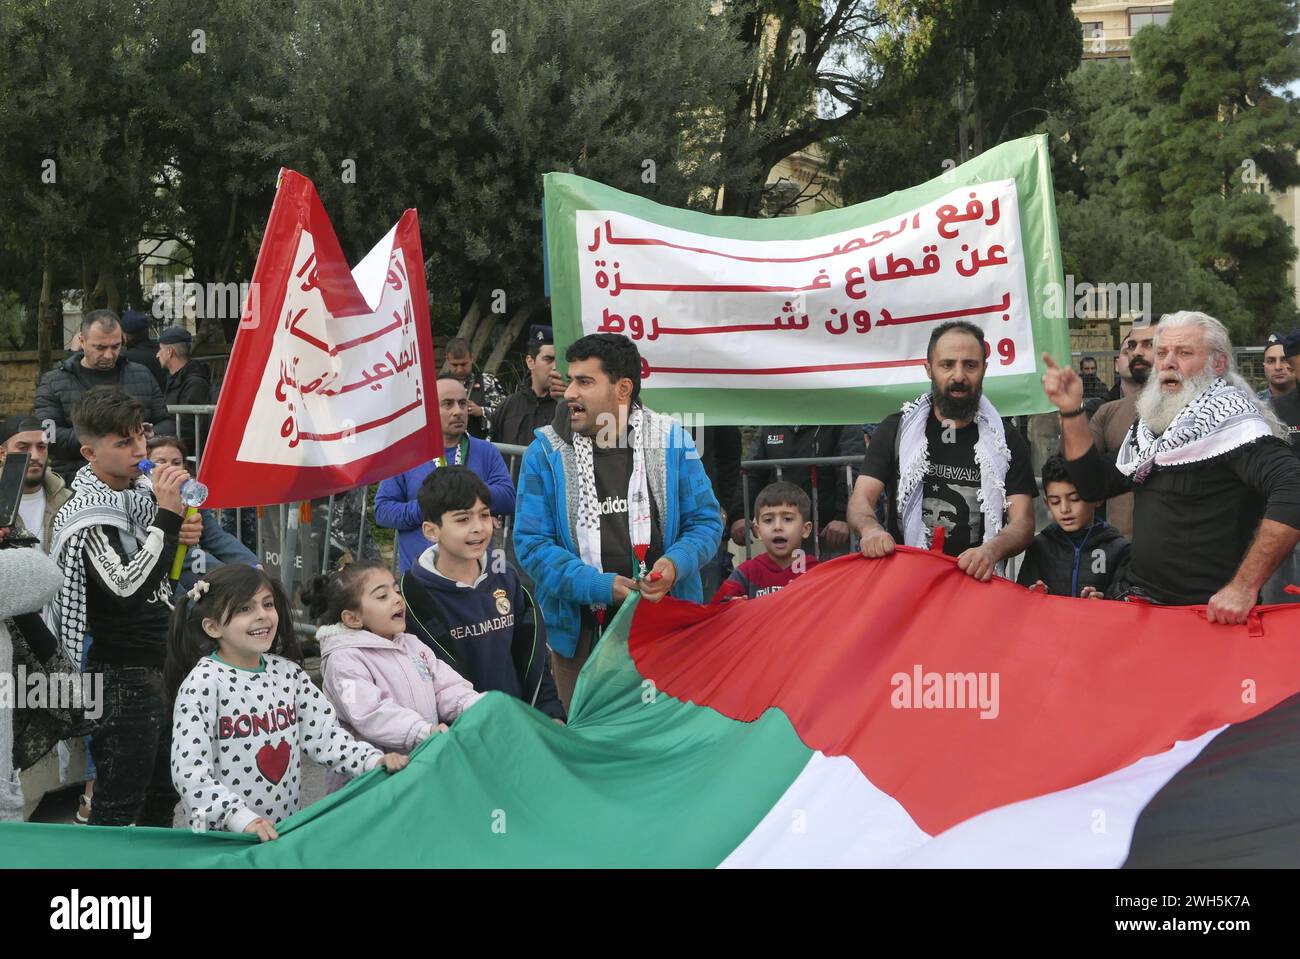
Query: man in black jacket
[(1216, 491), (833, 489), (98, 363), (187, 385), (1286, 405), (532, 406), (139, 348)]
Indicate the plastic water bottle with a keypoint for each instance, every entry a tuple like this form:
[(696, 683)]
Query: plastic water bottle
[(193, 493)]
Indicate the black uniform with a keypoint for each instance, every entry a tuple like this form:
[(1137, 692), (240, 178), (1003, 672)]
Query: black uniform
[(188, 386), (522, 413), (146, 354)]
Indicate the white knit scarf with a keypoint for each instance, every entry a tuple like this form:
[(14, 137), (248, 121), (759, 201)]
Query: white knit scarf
[(93, 504), (1218, 421), (638, 493), (991, 456)]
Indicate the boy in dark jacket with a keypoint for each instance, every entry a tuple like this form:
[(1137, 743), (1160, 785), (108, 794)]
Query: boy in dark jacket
[(1078, 555), (472, 611)]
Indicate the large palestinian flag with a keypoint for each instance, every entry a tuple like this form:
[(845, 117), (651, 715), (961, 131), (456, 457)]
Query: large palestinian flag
[(877, 712)]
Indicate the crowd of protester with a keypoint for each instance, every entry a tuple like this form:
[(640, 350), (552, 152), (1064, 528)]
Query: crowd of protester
[(1179, 486)]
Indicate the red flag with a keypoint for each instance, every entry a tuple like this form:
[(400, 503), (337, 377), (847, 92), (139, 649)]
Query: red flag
[(331, 381)]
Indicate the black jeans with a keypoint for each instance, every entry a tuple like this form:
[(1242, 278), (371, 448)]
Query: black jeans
[(132, 750)]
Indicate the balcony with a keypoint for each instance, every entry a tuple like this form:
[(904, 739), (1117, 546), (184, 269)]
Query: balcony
[(1106, 44)]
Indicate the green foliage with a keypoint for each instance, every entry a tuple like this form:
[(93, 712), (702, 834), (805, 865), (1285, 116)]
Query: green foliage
[(1089, 130), (1215, 126), (971, 84), (75, 143), (170, 120), (13, 334), (811, 69), (1103, 243)]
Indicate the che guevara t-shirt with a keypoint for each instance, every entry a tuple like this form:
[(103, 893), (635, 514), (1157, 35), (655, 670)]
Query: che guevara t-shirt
[(951, 488)]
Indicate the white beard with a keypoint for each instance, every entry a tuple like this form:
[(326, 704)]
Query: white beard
[(1158, 409)]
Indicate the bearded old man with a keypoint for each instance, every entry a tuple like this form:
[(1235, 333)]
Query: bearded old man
[(1216, 489), (948, 461)]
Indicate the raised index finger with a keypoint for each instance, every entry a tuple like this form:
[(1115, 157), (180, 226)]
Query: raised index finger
[(1049, 362)]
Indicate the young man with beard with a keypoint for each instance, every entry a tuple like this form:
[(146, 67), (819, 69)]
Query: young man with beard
[(482, 390), (1217, 492), (1111, 422), (532, 406), (948, 460), (614, 503), (1093, 387)]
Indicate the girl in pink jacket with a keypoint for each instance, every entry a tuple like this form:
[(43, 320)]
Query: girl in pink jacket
[(387, 687)]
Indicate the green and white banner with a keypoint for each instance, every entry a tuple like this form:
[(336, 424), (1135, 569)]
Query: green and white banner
[(821, 318)]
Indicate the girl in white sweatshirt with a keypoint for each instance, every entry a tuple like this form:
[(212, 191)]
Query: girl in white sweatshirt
[(244, 708)]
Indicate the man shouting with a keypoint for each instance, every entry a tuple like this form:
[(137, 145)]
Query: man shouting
[(1216, 490)]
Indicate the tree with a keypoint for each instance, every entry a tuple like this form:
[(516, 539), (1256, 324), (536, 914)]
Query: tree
[(460, 109), (1102, 243), (222, 99), (169, 120), (972, 83), (1089, 130), (812, 68), (1010, 62), (1216, 134), (75, 152)]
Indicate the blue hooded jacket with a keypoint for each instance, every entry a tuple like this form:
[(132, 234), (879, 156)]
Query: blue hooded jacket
[(690, 519)]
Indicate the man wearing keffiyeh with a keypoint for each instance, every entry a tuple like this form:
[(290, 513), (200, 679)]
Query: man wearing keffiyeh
[(114, 541), (615, 501), (1216, 490), (949, 466)]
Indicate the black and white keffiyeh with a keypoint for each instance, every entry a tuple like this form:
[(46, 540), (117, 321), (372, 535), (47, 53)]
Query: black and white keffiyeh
[(93, 504), (991, 455), (638, 491), (1219, 420)]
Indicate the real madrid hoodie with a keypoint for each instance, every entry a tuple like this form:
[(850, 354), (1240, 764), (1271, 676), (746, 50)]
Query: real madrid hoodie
[(489, 632)]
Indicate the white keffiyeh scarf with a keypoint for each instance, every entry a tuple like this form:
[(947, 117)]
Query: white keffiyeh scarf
[(638, 493), (991, 455), (92, 504), (1219, 420)]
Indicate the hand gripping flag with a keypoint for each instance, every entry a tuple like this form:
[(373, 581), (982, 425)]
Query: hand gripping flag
[(889, 712), (330, 384)]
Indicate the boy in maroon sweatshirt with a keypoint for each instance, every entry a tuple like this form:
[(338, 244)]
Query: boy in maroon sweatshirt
[(780, 523)]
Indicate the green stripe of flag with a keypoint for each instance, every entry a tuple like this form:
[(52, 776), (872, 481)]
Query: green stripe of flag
[(636, 780)]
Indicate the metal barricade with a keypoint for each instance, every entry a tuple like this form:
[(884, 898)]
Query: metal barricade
[(514, 457), (811, 464)]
